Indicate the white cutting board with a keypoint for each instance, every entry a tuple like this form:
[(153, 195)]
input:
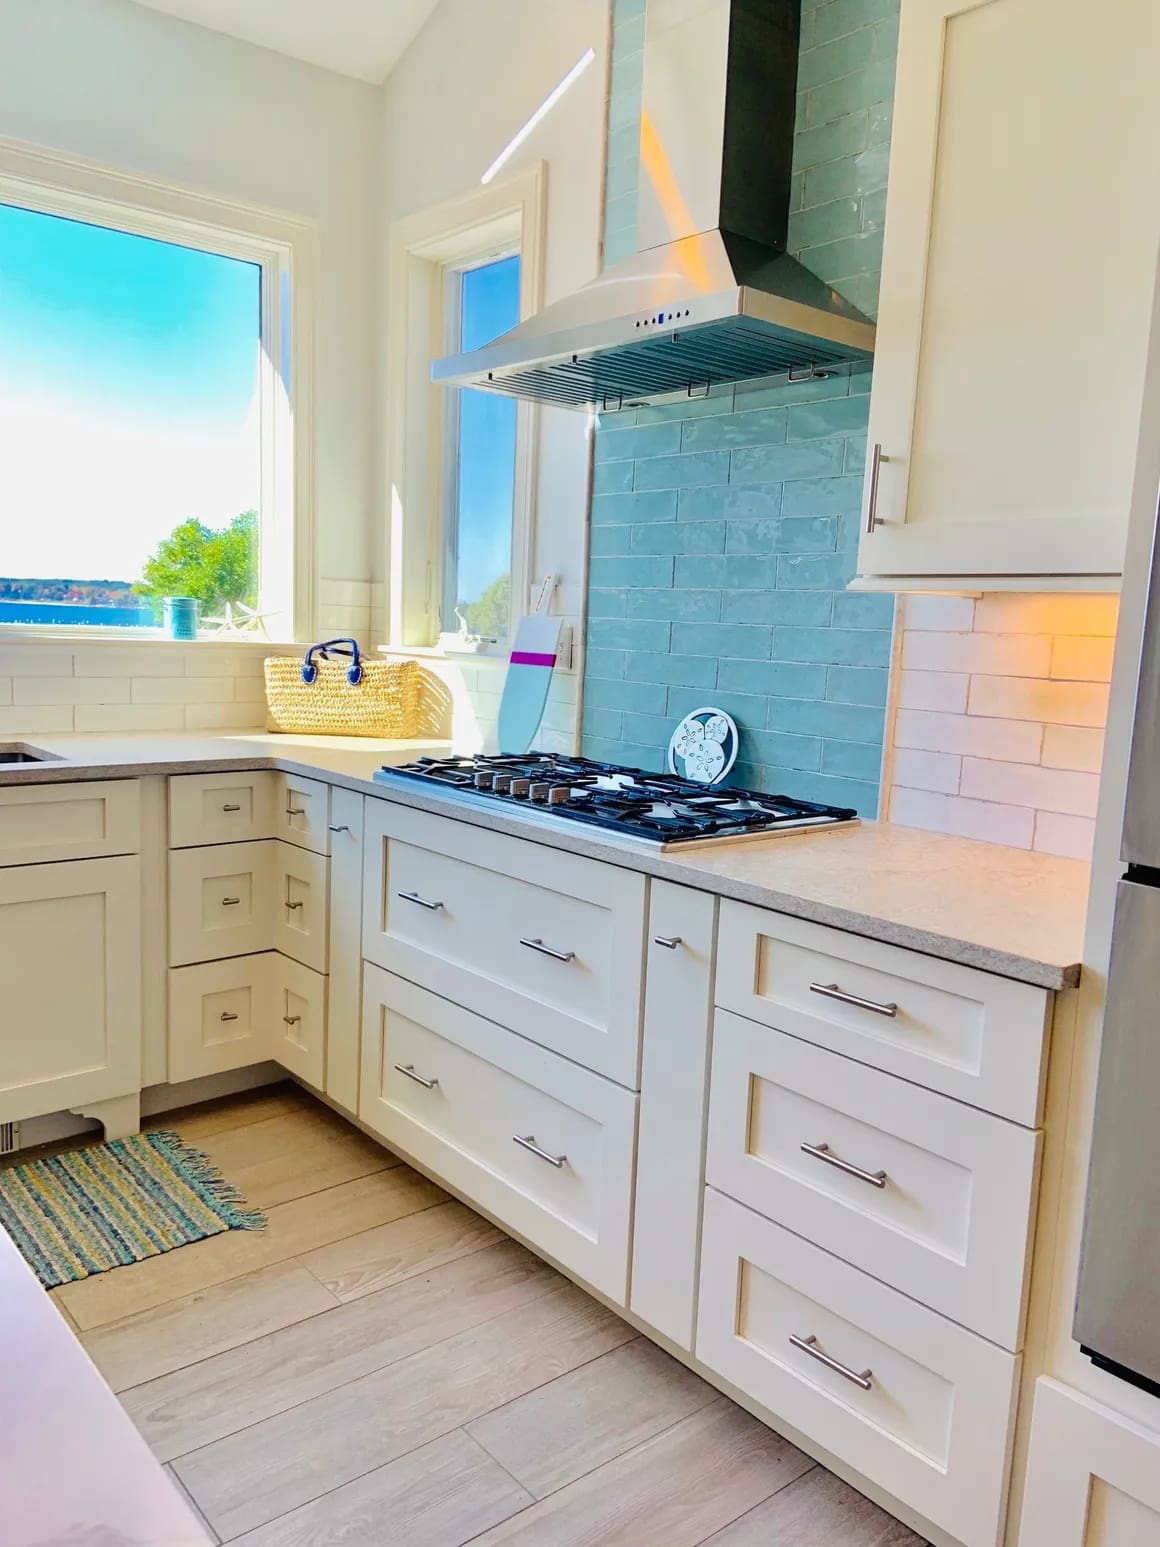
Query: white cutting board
[(529, 676)]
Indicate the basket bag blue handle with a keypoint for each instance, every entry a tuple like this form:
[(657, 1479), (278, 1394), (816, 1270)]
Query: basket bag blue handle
[(354, 672)]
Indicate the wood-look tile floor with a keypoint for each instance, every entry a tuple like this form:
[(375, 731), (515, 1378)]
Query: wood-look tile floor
[(381, 1367)]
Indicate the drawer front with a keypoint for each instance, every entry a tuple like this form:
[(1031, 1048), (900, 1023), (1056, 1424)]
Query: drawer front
[(219, 1016), (298, 1019), (923, 1192), (44, 823), (457, 1094), (220, 808), (678, 1009), (302, 812), (301, 880), (344, 989), (924, 1407), (221, 902), (547, 943), (953, 1029)]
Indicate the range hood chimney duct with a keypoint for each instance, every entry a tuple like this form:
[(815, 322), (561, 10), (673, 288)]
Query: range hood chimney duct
[(711, 295)]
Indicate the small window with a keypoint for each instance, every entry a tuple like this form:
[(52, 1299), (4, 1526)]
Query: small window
[(481, 302)]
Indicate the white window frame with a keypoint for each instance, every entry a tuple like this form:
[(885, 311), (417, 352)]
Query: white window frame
[(285, 249), (503, 218)]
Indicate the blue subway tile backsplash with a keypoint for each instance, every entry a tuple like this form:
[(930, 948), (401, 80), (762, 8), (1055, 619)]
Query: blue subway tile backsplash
[(725, 530)]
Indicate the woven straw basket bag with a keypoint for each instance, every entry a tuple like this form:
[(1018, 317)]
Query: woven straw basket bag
[(346, 696)]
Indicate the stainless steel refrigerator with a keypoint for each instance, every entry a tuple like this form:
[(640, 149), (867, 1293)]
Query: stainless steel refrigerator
[(1117, 1318)]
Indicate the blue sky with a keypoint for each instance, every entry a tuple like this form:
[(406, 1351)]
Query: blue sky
[(128, 370)]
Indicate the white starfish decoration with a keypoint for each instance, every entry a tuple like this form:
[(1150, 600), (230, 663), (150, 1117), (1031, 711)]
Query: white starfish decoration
[(238, 619)]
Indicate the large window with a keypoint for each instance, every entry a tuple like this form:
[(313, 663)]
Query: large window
[(481, 301), (153, 427)]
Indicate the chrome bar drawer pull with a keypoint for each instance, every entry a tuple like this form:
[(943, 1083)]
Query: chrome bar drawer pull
[(824, 1152), (231, 808), (227, 1015), (873, 519), (810, 1346), (409, 1071), (420, 902), (343, 829), (832, 991), (293, 905), (670, 942), (291, 1020), (230, 902), (547, 950), (294, 810), (528, 1142)]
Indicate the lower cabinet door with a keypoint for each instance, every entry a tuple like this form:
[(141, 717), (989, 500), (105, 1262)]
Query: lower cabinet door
[(70, 985), (344, 985), (219, 1016), (902, 1395), (300, 887), (543, 1145), (298, 1019)]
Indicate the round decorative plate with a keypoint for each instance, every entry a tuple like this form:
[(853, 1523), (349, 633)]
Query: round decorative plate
[(704, 746)]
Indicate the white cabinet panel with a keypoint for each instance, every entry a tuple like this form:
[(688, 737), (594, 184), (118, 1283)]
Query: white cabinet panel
[(923, 1192), (543, 1145), (299, 917), (298, 1019), (1093, 1476), (344, 996), (968, 1034), (70, 973), (46, 823), (221, 902), (219, 1016), (545, 942), (898, 1393), (221, 808), (1008, 434), (670, 1169), (302, 812)]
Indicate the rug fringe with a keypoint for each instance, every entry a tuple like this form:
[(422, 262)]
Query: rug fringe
[(230, 1201)]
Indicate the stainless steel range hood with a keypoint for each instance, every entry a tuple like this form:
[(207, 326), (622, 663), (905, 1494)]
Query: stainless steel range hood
[(711, 295)]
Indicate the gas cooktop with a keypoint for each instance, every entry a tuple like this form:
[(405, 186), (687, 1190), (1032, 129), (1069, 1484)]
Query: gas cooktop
[(661, 810)]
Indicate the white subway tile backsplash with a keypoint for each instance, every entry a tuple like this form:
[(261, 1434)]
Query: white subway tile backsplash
[(250, 690), (927, 770), (928, 731), (941, 690), (1028, 654), (128, 717), (999, 613), (990, 821), (215, 662), (1023, 698), (1070, 746), (224, 716), (1020, 784), (183, 690), (19, 660), (1082, 658), (947, 614), (70, 690), (5, 690), (147, 660), (39, 720), (1071, 837)]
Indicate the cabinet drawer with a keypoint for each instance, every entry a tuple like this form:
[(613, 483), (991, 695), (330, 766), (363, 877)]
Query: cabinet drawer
[(547, 943), (219, 1016), (221, 902), (298, 1019), (921, 1191), (43, 823), (220, 808), (924, 1407), (302, 812), (468, 1100), (966, 1033), (299, 920)]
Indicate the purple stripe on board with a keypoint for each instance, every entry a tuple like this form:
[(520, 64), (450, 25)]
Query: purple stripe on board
[(531, 658)]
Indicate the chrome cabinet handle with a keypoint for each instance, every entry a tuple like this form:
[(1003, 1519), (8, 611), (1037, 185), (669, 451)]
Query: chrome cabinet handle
[(670, 942), (810, 1346), (230, 902), (873, 519), (832, 991), (295, 810), (227, 1015), (343, 829), (547, 950), (291, 1020), (231, 808), (824, 1152), (409, 1071), (528, 1142), (421, 902)]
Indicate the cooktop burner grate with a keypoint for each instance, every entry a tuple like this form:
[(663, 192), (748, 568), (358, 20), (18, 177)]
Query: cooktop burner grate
[(657, 808)]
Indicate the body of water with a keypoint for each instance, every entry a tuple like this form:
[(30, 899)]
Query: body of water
[(65, 613)]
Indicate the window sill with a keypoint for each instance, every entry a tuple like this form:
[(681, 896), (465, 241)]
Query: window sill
[(33, 634), (499, 653)]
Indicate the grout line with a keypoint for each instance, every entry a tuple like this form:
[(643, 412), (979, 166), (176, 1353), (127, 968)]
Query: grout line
[(707, 1541)]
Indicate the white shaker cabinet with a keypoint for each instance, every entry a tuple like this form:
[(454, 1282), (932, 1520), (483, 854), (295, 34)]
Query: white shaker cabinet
[(1022, 225)]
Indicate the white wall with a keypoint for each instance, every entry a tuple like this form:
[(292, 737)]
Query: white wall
[(473, 76), (138, 91)]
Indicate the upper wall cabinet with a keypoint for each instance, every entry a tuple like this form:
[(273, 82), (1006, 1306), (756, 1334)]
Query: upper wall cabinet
[(1022, 224)]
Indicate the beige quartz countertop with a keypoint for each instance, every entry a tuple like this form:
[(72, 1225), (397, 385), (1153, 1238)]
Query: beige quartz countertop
[(1002, 910)]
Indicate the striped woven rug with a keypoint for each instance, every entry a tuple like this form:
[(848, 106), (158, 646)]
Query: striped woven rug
[(92, 1209)]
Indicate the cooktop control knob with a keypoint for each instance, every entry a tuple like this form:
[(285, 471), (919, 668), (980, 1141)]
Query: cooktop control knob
[(502, 783), (559, 794), (538, 790), (483, 779), (519, 785)]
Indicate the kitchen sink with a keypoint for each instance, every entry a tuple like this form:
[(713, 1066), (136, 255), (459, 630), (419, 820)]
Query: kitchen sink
[(21, 754)]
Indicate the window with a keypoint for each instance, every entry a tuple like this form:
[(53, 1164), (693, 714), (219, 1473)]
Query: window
[(480, 303), (148, 446)]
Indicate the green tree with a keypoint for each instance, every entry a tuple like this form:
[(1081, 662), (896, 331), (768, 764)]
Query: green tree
[(489, 616), (214, 567)]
